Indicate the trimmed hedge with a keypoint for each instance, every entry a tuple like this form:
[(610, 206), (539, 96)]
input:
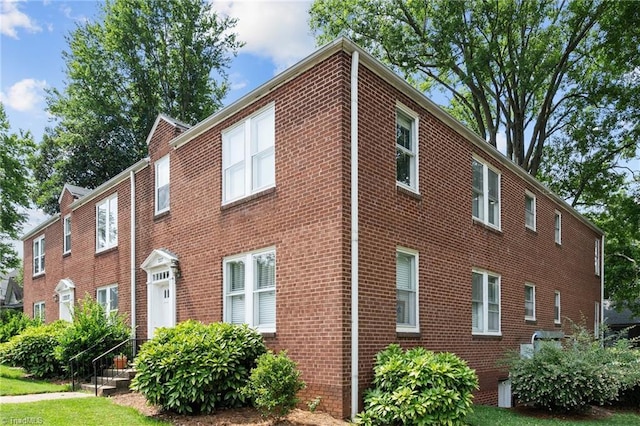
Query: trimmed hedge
[(13, 322), (418, 387), (195, 368)]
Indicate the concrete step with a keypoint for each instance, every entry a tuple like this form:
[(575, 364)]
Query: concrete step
[(118, 382), (115, 372), (103, 390)]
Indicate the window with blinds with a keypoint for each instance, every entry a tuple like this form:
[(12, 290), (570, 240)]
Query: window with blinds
[(485, 303), (250, 290), (406, 291)]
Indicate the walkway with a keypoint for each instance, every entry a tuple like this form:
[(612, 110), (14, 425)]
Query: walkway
[(11, 399)]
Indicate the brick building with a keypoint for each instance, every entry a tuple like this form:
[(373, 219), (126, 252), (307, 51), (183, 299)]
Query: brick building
[(337, 210)]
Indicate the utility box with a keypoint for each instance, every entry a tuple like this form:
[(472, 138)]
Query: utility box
[(504, 393), (540, 336)]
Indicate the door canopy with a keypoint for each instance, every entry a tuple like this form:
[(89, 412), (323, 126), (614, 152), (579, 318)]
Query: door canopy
[(160, 258), (64, 285)]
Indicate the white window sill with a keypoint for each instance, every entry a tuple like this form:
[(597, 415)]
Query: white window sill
[(407, 329), (530, 228), (39, 274), (408, 188), (557, 322), (492, 334), (103, 249), (486, 224), (530, 318)]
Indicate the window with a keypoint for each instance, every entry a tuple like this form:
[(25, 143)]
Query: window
[(162, 185), (558, 227), (406, 290), (107, 223), (485, 303), (530, 210), (250, 290), (38, 311), (556, 308), (407, 149), (67, 234), (38, 255), (529, 302), (107, 297), (596, 256), (248, 156), (486, 194)]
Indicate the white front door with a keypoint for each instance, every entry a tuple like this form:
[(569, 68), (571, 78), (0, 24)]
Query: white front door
[(66, 305), (161, 302)]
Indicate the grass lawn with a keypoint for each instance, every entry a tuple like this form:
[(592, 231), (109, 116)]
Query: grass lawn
[(13, 382), (79, 411), (484, 415)]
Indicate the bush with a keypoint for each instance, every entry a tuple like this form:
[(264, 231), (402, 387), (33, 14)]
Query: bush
[(195, 368), (578, 374), (273, 385), (418, 387), (34, 349), (12, 322), (90, 326)]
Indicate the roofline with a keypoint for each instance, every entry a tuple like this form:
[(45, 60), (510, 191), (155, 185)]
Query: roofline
[(120, 177), (53, 219), (170, 120)]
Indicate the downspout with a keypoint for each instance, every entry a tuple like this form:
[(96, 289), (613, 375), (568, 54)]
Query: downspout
[(132, 179), (354, 234), (601, 288)]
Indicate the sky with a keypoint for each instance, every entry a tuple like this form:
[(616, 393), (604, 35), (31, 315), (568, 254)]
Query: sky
[(32, 39)]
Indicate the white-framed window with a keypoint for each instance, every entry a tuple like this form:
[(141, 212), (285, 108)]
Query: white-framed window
[(407, 290), (557, 223), (596, 320), (107, 223), (596, 256), (248, 156), (486, 194), (162, 184), (556, 308), (66, 230), (530, 210), (529, 302), (107, 297), (406, 148), (38, 255), (485, 303), (249, 283), (38, 311)]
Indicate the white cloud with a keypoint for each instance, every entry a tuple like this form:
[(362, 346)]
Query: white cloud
[(237, 81), (25, 95), (278, 30), (501, 142), (12, 18)]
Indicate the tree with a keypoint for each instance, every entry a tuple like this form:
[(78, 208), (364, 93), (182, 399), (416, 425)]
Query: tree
[(142, 58), (509, 66), (14, 189)]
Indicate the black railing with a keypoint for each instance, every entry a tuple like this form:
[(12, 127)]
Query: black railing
[(115, 362), (75, 367)]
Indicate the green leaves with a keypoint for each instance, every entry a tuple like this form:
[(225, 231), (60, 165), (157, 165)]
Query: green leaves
[(194, 368), (418, 387)]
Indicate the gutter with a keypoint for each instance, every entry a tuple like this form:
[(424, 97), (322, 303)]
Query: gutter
[(132, 249), (601, 288), (354, 234)]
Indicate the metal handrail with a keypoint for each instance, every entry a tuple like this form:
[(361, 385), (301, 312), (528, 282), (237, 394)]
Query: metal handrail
[(99, 360), (76, 356)]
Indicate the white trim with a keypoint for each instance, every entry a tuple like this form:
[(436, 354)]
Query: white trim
[(249, 291), (557, 319), (485, 302), (414, 118), (41, 310), (485, 193), (65, 249), (557, 238), (416, 282), (107, 289), (532, 196), (158, 163), (528, 317), (132, 251), (355, 247), (39, 256), (597, 257), (108, 243)]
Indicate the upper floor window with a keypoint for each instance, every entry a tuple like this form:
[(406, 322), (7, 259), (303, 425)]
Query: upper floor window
[(162, 184), (248, 156), (556, 308), (38, 255), (250, 290), (38, 311), (529, 302), (530, 210), (486, 194), (66, 228), (107, 297), (558, 227), (596, 256), (407, 148), (107, 223), (406, 290), (485, 302)]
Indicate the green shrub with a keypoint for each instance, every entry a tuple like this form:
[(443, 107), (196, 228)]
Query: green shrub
[(195, 368), (90, 326), (12, 322), (273, 385), (34, 348), (418, 387), (576, 375)]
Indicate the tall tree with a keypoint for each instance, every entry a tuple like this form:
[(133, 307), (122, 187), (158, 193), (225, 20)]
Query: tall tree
[(14, 189), (141, 58), (507, 66)]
